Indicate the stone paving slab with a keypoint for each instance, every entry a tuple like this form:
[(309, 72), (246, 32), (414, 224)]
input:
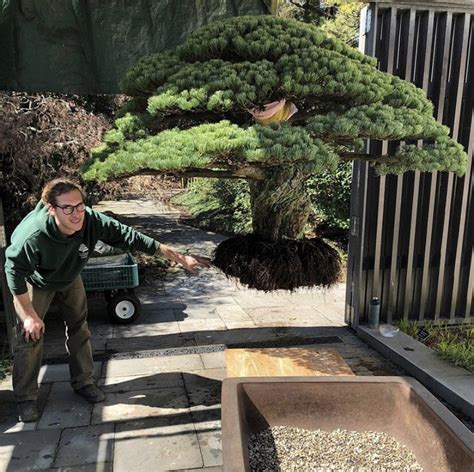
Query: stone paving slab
[(151, 314), (197, 312), (311, 331), (157, 445), (209, 436), (302, 315), (259, 302), (8, 418), (152, 301), (141, 382), (28, 450), (213, 360), (85, 445), (60, 372), (97, 467), (239, 324), (232, 313), (211, 374), (315, 296), (205, 469), (203, 393), (235, 336), (136, 404), (334, 312), (147, 329), (143, 343), (204, 402), (65, 408), (144, 366), (188, 326)]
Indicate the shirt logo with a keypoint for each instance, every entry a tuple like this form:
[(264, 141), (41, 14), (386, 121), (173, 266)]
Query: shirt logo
[(83, 251)]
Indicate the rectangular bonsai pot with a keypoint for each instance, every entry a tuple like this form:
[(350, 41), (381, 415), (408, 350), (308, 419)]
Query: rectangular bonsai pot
[(398, 406)]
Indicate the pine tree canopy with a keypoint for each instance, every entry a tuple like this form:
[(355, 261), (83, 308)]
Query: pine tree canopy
[(189, 108)]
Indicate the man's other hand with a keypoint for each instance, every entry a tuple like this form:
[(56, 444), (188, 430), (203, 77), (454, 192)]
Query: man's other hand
[(33, 328)]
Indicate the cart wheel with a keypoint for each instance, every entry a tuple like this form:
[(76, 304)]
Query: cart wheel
[(124, 308)]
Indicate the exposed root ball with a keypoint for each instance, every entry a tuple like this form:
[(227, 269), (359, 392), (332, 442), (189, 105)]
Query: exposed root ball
[(281, 265)]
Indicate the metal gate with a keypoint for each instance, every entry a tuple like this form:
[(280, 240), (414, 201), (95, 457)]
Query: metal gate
[(411, 240)]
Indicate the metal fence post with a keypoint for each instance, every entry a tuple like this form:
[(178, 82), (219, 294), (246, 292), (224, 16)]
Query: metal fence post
[(9, 310)]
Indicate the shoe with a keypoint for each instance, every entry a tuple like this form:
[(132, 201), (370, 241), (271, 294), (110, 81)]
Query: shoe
[(27, 411), (91, 393)]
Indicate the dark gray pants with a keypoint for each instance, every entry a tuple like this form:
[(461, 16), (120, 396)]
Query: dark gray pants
[(28, 355)]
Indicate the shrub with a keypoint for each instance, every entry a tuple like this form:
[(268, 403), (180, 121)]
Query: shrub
[(219, 205)]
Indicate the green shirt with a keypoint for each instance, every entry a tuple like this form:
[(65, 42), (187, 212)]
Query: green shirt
[(41, 255)]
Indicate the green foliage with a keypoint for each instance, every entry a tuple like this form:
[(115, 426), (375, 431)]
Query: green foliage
[(455, 344), (409, 327), (224, 205), (213, 145), (442, 154), (190, 111), (260, 37), (219, 205), (169, 150), (378, 122), (345, 24), (149, 73), (330, 194), (216, 85), (461, 355), (129, 127), (338, 18), (190, 105)]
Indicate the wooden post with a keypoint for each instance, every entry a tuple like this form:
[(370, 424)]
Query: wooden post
[(10, 315)]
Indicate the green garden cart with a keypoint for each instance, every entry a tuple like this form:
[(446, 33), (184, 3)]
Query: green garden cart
[(117, 277)]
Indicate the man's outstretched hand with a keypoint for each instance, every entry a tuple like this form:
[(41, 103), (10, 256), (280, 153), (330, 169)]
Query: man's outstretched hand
[(190, 262)]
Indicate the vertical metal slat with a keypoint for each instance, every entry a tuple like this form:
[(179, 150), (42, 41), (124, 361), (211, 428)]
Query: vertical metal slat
[(465, 193), (355, 287), (394, 269), (376, 288), (434, 175), (449, 191), (408, 301)]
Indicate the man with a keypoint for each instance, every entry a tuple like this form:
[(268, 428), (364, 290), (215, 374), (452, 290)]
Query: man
[(48, 250)]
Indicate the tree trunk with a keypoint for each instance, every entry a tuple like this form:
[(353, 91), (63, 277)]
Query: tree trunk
[(280, 204)]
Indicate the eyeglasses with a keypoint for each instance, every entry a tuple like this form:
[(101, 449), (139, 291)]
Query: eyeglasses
[(68, 209)]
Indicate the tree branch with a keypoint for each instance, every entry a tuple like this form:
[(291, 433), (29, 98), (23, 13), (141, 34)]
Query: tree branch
[(352, 156), (254, 173)]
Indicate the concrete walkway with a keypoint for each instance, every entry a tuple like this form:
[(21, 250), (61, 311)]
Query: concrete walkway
[(162, 375)]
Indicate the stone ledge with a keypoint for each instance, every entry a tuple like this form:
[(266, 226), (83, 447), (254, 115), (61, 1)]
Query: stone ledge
[(453, 384)]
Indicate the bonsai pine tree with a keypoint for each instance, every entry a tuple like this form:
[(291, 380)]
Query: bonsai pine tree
[(273, 101)]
